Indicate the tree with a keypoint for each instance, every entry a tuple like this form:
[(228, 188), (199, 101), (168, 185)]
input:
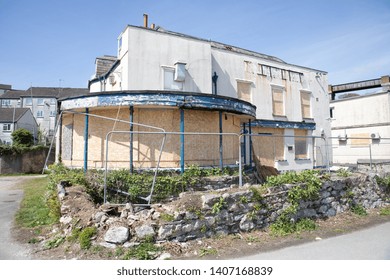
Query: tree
[(22, 137)]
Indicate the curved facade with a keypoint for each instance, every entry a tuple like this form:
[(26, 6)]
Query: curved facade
[(86, 121)]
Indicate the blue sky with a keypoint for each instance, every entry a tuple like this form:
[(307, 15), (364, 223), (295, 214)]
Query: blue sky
[(52, 43)]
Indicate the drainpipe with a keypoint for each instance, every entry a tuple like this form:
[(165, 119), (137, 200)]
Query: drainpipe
[(86, 140), (244, 146), (220, 142), (181, 141), (214, 79), (250, 143), (131, 139)]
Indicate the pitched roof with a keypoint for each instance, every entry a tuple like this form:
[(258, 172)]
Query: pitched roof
[(7, 114), (12, 94), (53, 92)]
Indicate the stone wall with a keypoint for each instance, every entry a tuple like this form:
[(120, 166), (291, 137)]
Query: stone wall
[(28, 162), (231, 210)]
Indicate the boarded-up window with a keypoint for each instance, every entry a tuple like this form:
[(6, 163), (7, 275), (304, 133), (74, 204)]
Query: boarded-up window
[(361, 139), (305, 104), (278, 102), (300, 142), (268, 147), (67, 142), (244, 91)]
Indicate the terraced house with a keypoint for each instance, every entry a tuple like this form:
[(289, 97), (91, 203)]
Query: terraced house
[(169, 81)]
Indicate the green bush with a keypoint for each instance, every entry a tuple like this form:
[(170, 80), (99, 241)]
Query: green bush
[(85, 237), (22, 137)]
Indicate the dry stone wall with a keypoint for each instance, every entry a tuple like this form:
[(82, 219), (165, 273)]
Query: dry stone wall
[(232, 210)]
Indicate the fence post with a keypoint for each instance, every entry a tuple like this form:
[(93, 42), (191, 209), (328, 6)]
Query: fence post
[(182, 140)]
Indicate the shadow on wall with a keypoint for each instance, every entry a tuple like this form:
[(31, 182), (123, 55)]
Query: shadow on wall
[(224, 84)]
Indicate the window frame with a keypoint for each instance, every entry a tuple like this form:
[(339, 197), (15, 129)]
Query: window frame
[(8, 129), (303, 105), (298, 142), (248, 96), (278, 89)]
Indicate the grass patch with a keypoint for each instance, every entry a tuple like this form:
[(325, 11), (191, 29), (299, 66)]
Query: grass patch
[(359, 210), (144, 251), (385, 211), (207, 251), (285, 227), (39, 206)]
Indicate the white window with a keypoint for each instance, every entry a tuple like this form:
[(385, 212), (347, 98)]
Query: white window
[(52, 101), (40, 101), (52, 113), (5, 102), (28, 101), (39, 114), (6, 127)]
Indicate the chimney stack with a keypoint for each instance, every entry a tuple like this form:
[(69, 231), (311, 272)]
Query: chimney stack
[(145, 20)]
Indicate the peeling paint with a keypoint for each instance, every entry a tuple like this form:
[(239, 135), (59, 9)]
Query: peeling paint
[(283, 124), (181, 100)]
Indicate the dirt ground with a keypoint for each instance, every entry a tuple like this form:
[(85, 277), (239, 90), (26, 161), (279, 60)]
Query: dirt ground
[(221, 247)]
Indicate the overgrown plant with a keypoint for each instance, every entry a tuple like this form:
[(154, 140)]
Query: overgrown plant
[(308, 188), (85, 237), (217, 207)]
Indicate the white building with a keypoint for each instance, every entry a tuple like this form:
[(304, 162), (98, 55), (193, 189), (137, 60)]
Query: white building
[(291, 101), (361, 122), (12, 119)]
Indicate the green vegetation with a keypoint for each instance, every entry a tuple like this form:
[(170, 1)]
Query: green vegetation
[(39, 206), (217, 207), (85, 237), (284, 227), (144, 251), (343, 172), (359, 210), (207, 251), (385, 211), (309, 185), (385, 182), (54, 242), (22, 137)]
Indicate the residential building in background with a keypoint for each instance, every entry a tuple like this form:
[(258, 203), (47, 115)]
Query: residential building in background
[(12, 119), (42, 101), (181, 83)]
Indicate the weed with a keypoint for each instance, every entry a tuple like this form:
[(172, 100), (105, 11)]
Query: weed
[(207, 251), (85, 237), (359, 210), (385, 211), (244, 199), (119, 251), (54, 243), (144, 251), (33, 240), (285, 227), (343, 172), (385, 182), (167, 217), (217, 207), (252, 239)]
